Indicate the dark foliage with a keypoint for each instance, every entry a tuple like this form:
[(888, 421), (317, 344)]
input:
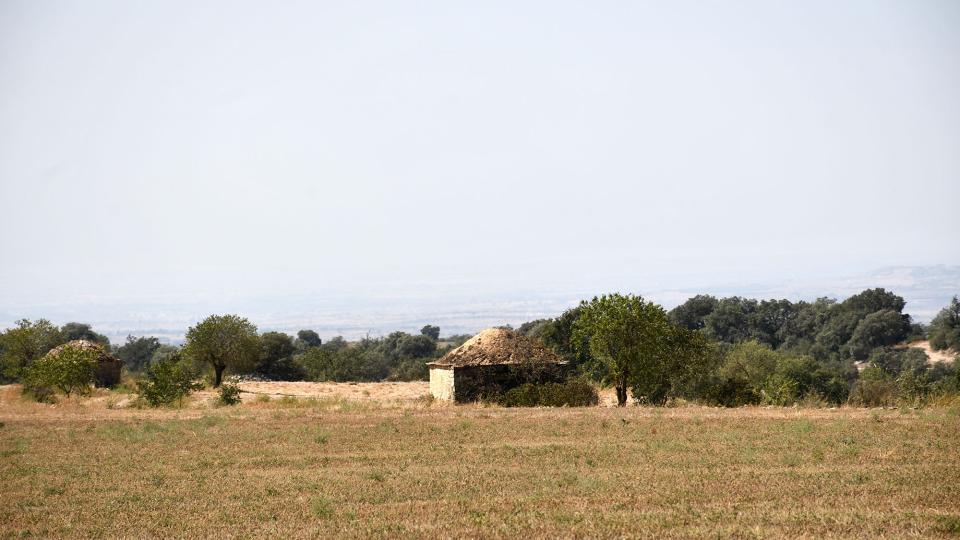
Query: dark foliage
[(137, 352), (571, 393)]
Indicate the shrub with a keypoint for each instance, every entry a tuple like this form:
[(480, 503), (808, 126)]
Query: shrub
[(874, 389), (229, 394), (780, 390), (40, 394), (70, 370), (572, 393), (410, 369), (167, 381)]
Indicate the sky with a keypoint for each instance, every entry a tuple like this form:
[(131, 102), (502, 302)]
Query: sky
[(156, 153)]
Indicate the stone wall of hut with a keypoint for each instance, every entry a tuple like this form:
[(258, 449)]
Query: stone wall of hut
[(472, 383), (441, 383), (107, 374)]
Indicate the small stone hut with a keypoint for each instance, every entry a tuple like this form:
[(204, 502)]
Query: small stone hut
[(493, 362), (108, 369)]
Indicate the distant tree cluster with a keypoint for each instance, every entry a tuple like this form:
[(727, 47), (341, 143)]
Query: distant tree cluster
[(824, 329), (736, 351), (397, 357)]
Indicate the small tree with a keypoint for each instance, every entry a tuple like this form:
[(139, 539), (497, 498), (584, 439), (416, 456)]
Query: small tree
[(626, 334), (137, 352), (307, 339), (168, 380), (73, 331), (223, 341), (431, 331), (70, 369)]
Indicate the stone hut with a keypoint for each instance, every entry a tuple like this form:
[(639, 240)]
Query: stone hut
[(491, 363), (108, 369)]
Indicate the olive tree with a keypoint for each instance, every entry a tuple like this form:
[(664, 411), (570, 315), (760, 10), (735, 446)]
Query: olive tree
[(223, 341), (627, 335)]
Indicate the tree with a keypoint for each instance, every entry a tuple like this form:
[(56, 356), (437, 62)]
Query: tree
[(308, 338), (137, 352), (276, 358), (74, 330), (24, 344), (274, 346), (945, 327), (871, 300), (69, 369), (878, 329), (685, 358), (223, 341), (692, 314), (769, 320), (558, 335), (422, 346), (626, 334), (432, 332), (730, 321)]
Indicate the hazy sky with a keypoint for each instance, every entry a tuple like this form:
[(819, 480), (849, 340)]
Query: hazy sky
[(179, 149)]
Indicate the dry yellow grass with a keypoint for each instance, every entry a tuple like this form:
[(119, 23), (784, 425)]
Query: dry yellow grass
[(340, 468)]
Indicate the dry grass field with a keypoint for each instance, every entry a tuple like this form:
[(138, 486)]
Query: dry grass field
[(331, 467)]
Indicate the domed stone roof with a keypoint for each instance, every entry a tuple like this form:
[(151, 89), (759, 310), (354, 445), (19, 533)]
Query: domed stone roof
[(495, 346)]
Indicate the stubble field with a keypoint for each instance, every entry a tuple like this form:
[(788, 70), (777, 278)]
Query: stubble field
[(336, 467)]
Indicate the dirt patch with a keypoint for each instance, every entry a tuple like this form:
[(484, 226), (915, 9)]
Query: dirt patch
[(377, 391), (935, 357)]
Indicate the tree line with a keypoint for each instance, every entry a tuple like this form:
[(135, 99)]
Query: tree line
[(736, 351), (722, 351)]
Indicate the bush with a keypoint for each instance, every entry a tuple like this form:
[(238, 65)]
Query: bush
[(874, 389), (572, 393), (780, 390), (40, 394), (229, 394), (410, 369), (70, 370), (168, 380)]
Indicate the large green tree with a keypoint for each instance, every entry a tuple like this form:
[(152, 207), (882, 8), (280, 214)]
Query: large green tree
[(223, 341), (692, 314), (24, 344), (276, 358), (628, 335)]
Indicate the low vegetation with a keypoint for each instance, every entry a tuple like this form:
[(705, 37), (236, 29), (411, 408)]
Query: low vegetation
[(167, 382), (571, 393)]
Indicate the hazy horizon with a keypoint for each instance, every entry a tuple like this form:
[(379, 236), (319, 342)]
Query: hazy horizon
[(160, 159)]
